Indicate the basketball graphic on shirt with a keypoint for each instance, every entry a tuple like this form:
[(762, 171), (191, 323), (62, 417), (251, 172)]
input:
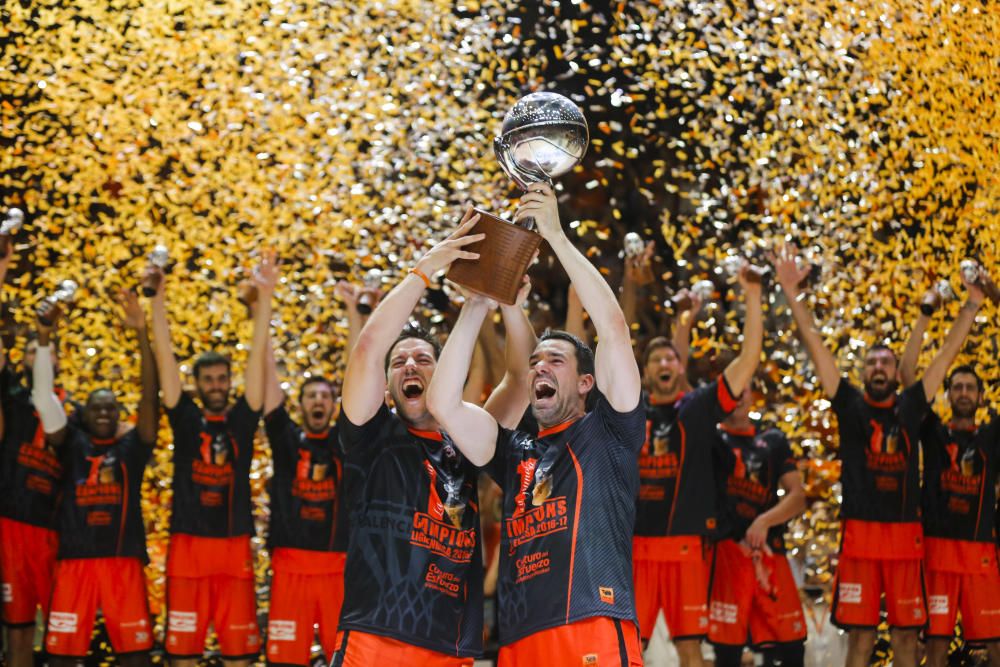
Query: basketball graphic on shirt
[(454, 506), (967, 464), (102, 469), (542, 490), (214, 448), (661, 440)]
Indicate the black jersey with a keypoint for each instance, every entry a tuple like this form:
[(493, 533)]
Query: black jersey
[(212, 456), (960, 475), (691, 462), (756, 462), (100, 514), (30, 470), (306, 512), (414, 568), (568, 515), (879, 452), (658, 469)]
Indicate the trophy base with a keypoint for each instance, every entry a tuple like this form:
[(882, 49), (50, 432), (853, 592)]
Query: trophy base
[(504, 256)]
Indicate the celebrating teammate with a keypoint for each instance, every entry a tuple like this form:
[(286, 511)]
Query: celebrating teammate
[(565, 590), (30, 473), (754, 596), (882, 548), (209, 562), (308, 537), (102, 538), (961, 464), (413, 578)]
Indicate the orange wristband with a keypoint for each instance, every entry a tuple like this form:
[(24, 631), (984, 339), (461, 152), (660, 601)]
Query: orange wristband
[(423, 276)]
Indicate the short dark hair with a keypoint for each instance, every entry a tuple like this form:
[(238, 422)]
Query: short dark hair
[(103, 390), (413, 330), (964, 369), (584, 355), (315, 379), (655, 344), (211, 358)]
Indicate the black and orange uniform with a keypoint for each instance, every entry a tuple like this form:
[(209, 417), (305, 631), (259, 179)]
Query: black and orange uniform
[(308, 539), (413, 583), (30, 475), (960, 475), (754, 599), (565, 582), (102, 546), (882, 547), (209, 563), (677, 510)]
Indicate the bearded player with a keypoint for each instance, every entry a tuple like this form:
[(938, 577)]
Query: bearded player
[(882, 547)]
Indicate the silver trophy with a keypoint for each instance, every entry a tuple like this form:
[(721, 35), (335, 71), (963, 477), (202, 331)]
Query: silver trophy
[(543, 136), (159, 258), (65, 294), (12, 223), (369, 291), (974, 274)]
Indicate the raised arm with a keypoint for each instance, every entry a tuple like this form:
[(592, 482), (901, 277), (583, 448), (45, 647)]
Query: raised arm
[(938, 368), (790, 276), (274, 395), (684, 325), (265, 277), (576, 323), (510, 399), (364, 379), (637, 273), (166, 363), (472, 428), (148, 415), (43, 394), (617, 373), (740, 370), (911, 353), (350, 294)]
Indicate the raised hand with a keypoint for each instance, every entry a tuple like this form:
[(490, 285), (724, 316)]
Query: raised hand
[(540, 203), (152, 279), (132, 315), (266, 274), (787, 269), (447, 251), (974, 287)]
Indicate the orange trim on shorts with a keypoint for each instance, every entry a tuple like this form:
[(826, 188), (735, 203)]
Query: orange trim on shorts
[(576, 526)]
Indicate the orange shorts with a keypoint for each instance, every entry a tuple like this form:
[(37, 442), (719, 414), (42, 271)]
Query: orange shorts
[(880, 559), (115, 585), (672, 574), (746, 604), (210, 582), (307, 589), (27, 562), (361, 649), (963, 577), (599, 641)]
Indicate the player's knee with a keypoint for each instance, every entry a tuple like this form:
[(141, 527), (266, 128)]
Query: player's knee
[(791, 654), (688, 650)]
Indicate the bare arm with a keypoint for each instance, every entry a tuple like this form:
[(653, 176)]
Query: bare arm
[(148, 415), (265, 278), (166, 363), (575, 321), (684, 326), (617, 373), (475, 384), (473, 429), (791, 505), (790, 276), (740, 370), (350, 294), (908, 362), (364, 380), (938, 368), (510, 399)]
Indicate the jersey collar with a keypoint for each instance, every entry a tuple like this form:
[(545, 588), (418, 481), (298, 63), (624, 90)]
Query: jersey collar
[(887, 403), (654, 401), (426, 435), (558, 428), (745, 432)]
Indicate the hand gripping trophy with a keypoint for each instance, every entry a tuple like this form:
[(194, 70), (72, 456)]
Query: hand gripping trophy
[(543, 136)]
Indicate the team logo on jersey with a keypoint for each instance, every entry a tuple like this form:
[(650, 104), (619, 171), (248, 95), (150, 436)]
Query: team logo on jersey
[(314, 483), (590, 660), (607, 594), (882, 441), (102, 469), (61, 621), (215, 448), (281, 631), (182, 621)]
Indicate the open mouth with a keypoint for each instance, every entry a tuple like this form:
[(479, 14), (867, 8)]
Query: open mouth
[(665, 377), (544, 390), (413, 388), (318, 414)]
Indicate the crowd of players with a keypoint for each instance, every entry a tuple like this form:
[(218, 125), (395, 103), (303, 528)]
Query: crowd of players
[(625, 492)]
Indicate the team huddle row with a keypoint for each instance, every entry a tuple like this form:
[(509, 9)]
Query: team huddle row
[(618, 503)]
